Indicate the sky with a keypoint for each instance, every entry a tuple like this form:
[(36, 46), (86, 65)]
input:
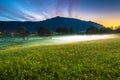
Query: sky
[(106, 12)]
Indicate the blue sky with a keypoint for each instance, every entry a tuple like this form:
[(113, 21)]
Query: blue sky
[(106, 12)]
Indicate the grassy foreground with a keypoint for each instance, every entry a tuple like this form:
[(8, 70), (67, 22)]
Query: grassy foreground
[(90, 60)]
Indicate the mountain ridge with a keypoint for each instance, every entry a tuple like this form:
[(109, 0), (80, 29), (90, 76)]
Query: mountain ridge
[(52, 23)]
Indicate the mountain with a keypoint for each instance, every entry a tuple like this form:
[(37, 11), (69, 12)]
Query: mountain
[(53, 23)]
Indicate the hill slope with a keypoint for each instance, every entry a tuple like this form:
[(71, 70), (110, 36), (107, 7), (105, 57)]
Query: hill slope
[(83, 61), (53, 23)]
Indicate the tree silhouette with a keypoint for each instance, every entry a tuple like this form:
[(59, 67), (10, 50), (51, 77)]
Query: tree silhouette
[(44, 31), (63, 30), (105, 30), (92, 30), (1, 31), (71, 30), (23, 32), (118, 30)]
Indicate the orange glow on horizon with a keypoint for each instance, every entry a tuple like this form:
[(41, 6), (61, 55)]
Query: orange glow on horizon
[(109, 23)]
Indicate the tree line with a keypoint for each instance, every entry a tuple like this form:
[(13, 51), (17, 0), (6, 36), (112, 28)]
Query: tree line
[(95, 30), (46, 31), (42, 31)]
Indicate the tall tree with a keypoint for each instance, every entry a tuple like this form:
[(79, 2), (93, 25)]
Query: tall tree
[(92, 30), (118, 30), (1, 31), (71, 30), (44, 31), (23, 32), (105, 30), (62, 30)]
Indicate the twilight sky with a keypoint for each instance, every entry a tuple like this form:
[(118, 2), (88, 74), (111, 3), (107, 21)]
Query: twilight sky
[(106, 12)]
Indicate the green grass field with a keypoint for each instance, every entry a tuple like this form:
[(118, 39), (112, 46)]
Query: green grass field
[(89, 60)]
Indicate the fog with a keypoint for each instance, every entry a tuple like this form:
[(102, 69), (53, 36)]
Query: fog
[(36, 41), (77, 38)]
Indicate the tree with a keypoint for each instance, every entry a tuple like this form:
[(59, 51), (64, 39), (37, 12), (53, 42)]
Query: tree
[(1, 31), (62, 30), (44, 31), (71, 30), (4, 33), (23, 32), (92, 30), (105, 30), (117, 30)]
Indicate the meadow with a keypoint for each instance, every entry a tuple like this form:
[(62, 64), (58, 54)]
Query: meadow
[(88, 60)]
